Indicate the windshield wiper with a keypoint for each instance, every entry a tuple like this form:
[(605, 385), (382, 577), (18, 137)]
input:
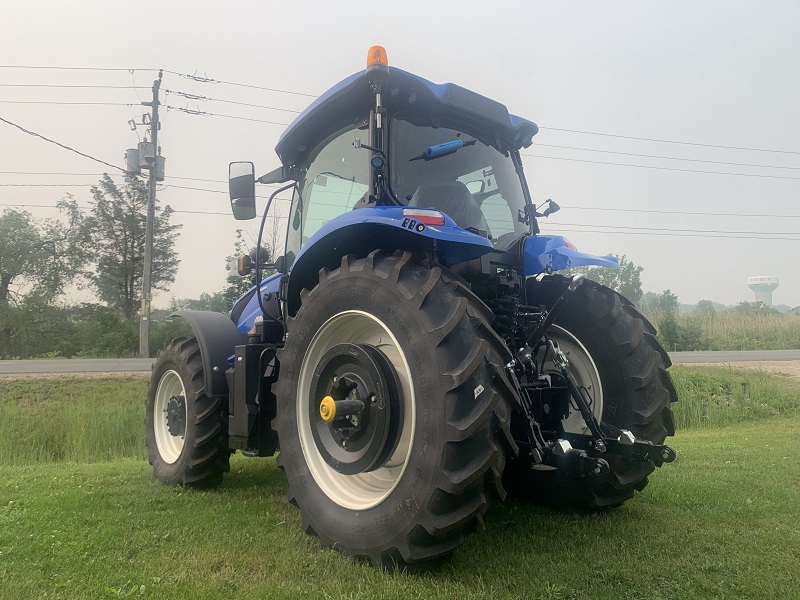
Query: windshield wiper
[(443, 149)]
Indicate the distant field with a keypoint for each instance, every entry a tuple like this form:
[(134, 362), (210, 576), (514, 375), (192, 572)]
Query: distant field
[(727, 330), (720, 522)]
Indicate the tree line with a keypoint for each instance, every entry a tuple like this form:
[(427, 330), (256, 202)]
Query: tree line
[(101, 250)]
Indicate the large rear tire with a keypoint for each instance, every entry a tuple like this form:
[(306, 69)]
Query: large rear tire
[(446, 445), (615, 355), (187, 433)]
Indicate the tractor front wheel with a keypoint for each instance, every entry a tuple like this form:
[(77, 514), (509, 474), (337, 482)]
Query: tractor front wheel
[(186, 431)]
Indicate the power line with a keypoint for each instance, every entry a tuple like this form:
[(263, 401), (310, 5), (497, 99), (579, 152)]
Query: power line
[(206, 98), (204, 79), (191, 212), (561, 229), (33, 133), (566, 207), (680, 212), (601, 162), (670, 229), (47, 184), (632, 137), (715, 162), (676, 234), (61, 102), (202, 113), (183, 187), (48, 85), (57, 68), (101, 174)]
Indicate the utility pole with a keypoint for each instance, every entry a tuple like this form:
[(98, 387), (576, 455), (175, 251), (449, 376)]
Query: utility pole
[(144, 323)]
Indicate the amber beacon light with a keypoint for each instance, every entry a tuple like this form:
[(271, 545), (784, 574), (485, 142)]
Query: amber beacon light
[(377, 59)]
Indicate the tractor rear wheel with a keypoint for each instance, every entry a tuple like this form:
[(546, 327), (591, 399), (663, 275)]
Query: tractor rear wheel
[(394, 411), (187, 432), (615, 356)]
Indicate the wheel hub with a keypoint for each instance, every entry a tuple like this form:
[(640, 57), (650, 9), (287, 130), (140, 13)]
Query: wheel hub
[(355, 408), (176, 416)]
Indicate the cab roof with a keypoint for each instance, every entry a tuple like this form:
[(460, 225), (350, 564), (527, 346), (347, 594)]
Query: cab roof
[(350, 101)]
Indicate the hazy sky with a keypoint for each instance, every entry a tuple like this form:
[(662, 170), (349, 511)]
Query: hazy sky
[(710, 73)]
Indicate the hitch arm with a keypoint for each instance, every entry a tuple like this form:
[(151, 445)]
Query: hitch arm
[(629, 446), (535, 437), (626, 444), (579, 395)]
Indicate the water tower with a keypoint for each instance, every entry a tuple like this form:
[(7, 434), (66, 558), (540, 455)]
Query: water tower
[(763, 286)]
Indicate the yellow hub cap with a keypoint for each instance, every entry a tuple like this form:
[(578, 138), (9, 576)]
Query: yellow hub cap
[(327, 409)]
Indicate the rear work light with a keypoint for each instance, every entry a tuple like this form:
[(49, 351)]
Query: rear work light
[(420, 215)]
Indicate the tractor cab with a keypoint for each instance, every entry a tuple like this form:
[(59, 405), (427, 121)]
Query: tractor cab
[(385, 137)]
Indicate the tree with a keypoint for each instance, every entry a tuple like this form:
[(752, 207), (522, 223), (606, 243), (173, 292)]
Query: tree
[(668, 302), (627, 280), (706, 308), (754, 308), (117, 229), (37, 261), (237, 285)]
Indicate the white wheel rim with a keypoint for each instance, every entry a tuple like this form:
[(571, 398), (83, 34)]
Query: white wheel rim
[(169, 446), (363, 490), (585, 372)]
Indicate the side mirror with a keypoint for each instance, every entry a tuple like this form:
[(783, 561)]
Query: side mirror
[(242, 186), (551, 208)]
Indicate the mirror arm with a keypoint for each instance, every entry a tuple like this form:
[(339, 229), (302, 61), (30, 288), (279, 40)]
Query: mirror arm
[(258, 249), (280, 175)]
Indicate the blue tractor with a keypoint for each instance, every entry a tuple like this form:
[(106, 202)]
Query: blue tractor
[(412, 357)]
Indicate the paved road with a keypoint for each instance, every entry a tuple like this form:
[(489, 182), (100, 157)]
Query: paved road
[(122, 365), (739, 356), (76, 365)]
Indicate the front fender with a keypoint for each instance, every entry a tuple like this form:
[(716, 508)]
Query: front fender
[(217, 337), (382, 227), (546, 253)]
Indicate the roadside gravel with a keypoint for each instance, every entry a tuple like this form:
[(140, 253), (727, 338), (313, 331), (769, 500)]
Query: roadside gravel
[(790, 368)]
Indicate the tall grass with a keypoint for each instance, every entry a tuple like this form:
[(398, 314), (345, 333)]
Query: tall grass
[(89, 420), (726, 330), (720, 396), (71, 419)]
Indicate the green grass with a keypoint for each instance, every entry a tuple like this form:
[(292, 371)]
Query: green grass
[(71, 419), (720, 522), (81, 517), (720, 396)]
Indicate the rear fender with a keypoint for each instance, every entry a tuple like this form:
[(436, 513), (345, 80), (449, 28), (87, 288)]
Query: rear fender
[(217, 337), (547, 253), (382, 227)]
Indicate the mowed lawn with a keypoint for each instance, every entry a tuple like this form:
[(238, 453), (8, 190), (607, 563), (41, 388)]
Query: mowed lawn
[(723, 521)]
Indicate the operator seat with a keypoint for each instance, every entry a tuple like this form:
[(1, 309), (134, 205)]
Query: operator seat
[(453, 198)]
